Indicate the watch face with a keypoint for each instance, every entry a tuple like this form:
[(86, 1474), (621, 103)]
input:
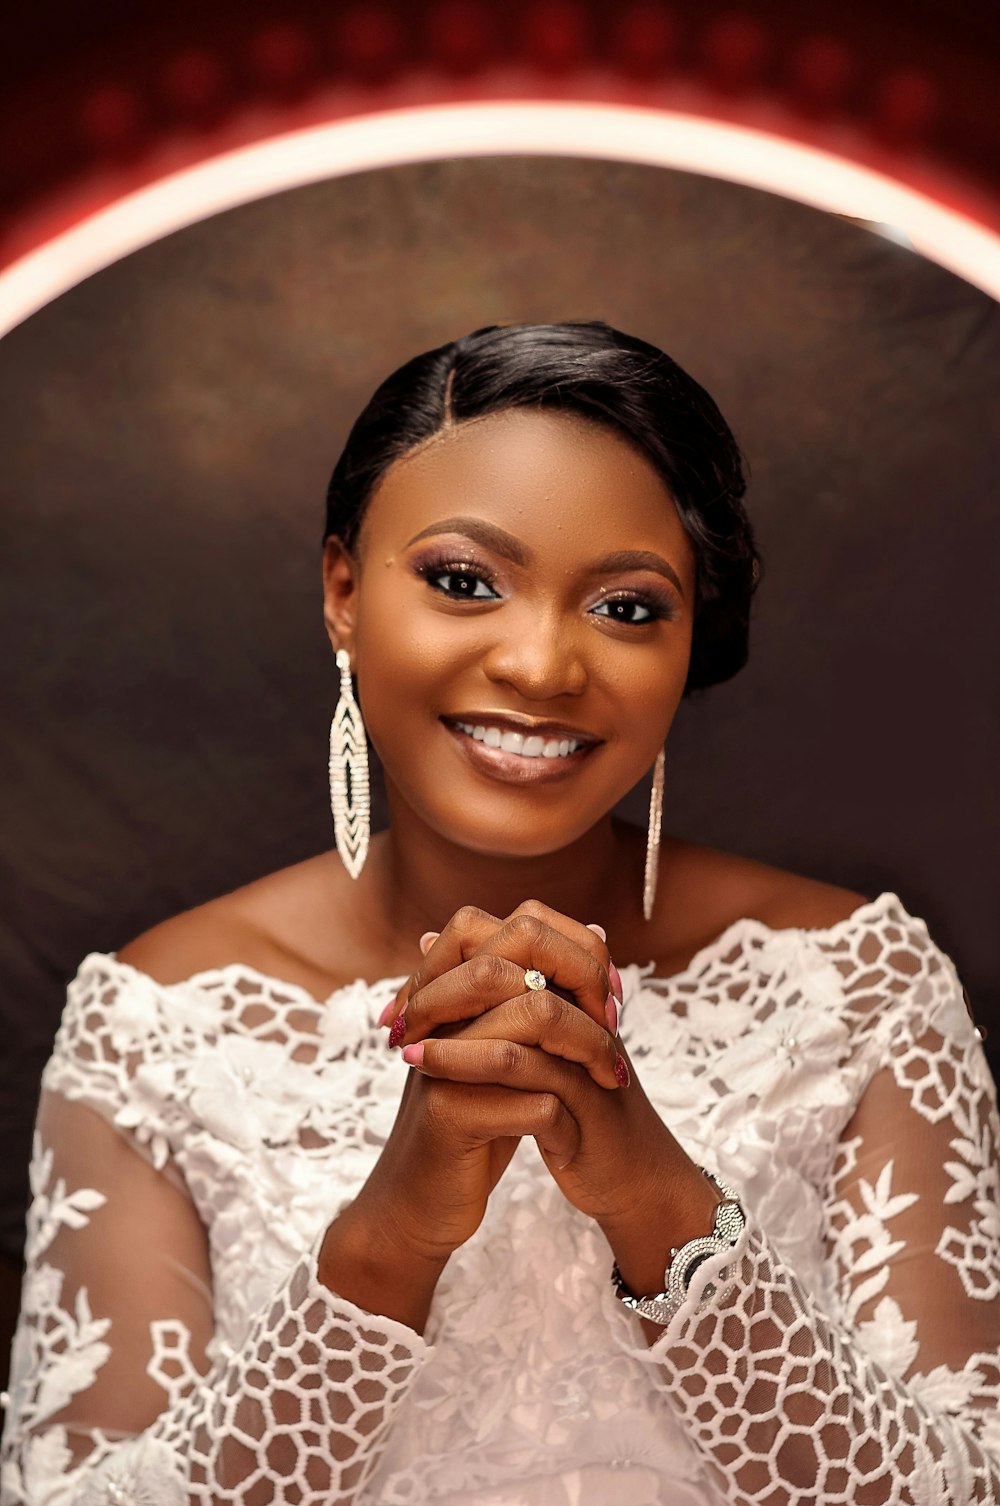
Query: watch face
[(689, 1257), (692, 1265)]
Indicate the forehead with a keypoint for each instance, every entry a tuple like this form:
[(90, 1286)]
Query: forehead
[(556, 480)]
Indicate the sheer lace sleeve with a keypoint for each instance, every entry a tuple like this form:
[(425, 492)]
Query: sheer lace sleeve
[(123, 1389), (881, 1383)]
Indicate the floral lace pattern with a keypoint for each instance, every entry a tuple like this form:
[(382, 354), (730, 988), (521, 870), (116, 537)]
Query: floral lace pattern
[(832, 1076)]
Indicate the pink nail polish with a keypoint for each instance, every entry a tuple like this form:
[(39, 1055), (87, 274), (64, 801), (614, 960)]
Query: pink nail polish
[(615, 979), (427, 940), (622, 1076), (414, 1055), (398, 1028), (598, 931), (612, 1013), (386, 1014)]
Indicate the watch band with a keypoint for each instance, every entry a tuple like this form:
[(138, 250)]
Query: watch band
[(730, 1221)]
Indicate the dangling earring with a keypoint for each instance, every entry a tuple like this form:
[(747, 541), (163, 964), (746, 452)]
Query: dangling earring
[(350, 798), (653, 837)]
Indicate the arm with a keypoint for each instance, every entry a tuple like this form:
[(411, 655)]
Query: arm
[(120, 1390), (879, 1390), (887, 1390)]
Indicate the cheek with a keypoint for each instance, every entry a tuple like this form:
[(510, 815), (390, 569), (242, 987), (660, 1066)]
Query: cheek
[(646, 704), (399, 643), (646, 680), (402, 655)]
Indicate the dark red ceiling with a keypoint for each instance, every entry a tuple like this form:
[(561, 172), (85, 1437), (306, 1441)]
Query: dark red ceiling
[(87, 88)]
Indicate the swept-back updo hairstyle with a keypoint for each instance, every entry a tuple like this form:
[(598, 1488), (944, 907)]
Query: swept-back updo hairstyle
[(598, 373)]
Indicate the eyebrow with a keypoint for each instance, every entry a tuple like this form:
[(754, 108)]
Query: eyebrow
[(504, 544), (497, 539), (637, 559)]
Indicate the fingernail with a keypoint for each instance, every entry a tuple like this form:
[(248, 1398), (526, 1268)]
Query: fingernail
[(386, 1014), (615, 979), (598, 931), (622, 1076), (612, 1013), (414, 1055), (398, 1028), (427, 940)]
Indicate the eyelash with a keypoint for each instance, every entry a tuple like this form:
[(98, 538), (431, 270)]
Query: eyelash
[(436, 569)]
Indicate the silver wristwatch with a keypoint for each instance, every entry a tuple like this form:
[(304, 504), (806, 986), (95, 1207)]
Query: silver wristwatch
[(730, 1221)]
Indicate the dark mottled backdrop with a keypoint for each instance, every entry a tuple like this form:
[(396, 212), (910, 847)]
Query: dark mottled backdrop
[(167, 430)]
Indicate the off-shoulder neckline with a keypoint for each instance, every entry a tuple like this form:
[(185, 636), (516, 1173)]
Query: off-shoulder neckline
[(745, 928), (749, 927)]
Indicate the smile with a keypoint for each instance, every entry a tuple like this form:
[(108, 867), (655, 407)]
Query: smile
[(526, 746), (520, 753)]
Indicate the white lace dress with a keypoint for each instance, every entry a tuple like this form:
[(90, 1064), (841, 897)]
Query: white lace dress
[(194, 1141)]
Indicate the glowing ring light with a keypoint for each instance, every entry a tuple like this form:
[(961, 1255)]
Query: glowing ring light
[(659, 138)]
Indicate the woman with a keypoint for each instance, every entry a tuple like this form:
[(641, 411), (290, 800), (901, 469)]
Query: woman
[(274, 1256)]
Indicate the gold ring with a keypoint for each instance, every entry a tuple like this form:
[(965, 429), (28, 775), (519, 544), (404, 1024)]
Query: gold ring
[(535, 980)]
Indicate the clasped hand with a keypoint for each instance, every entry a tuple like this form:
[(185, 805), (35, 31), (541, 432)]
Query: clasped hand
[(495, 1061)]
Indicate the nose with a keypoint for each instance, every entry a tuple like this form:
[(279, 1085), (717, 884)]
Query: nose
[(541, 659)]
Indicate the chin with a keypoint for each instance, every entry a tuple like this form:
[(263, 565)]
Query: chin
[(514, 839), (501, 821)]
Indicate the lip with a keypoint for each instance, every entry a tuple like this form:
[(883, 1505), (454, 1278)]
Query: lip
[(511, 768), (517, 722)]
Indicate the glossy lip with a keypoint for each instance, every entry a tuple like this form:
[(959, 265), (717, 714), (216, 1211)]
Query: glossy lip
[(511, 768), (520, 723)]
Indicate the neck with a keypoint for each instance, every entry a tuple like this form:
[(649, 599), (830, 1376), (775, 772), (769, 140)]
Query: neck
[(423, 878)]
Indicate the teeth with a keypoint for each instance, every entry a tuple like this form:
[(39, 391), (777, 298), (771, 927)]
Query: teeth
[(531, 746)]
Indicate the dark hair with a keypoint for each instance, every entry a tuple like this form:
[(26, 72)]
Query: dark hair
[(595, 371)]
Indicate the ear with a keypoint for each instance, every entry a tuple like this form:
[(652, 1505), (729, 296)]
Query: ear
[(340, 586)]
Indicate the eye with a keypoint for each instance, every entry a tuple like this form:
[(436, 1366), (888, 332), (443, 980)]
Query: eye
[(461, 583), (626, 609)]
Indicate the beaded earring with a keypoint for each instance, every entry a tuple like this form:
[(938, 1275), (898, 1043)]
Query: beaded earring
[(653, 837), (350, 795)]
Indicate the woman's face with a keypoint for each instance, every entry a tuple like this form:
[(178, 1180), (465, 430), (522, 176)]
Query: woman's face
[(519, 618)]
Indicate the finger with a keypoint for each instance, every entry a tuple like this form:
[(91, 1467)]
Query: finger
[(485, 983), (570, 955), (591, 938), (547, 1020), (483, 1113), (614, 975), (462, 935), (529, 1043), (573, 966), (470, 929), (470, 932), (501, 1064), (390, 1011), (465, 992)]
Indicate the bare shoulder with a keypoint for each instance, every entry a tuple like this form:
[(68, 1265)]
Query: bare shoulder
[(250, 925), (786, 899), (208, 936), (776, 896), (708, 889)]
